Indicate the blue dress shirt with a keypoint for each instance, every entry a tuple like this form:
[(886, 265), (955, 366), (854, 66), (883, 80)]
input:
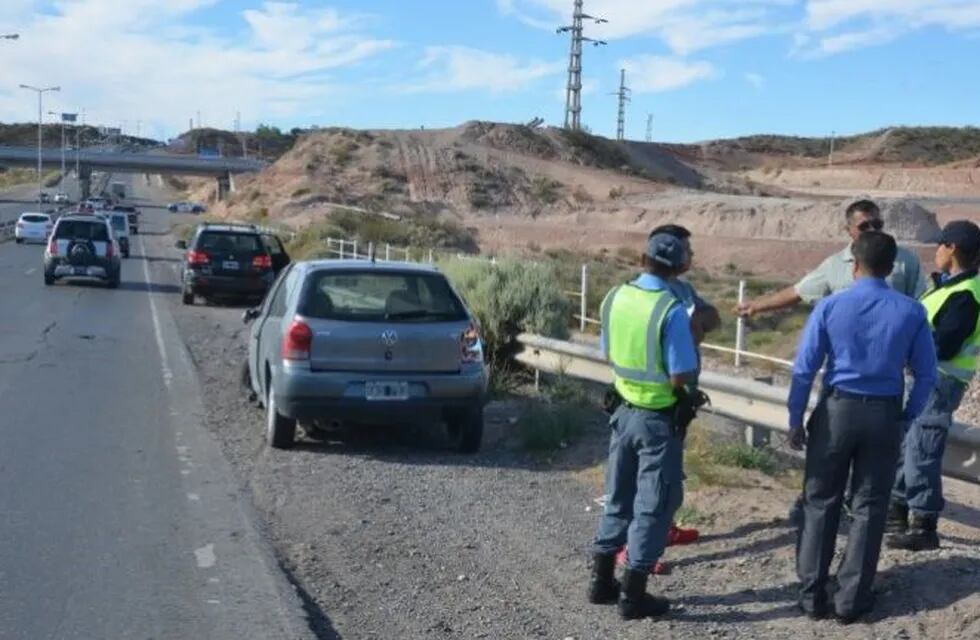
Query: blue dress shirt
[(867, 334), (677, 342)]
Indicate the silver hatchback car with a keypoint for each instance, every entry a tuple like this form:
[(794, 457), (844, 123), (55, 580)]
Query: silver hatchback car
[(358, 342)]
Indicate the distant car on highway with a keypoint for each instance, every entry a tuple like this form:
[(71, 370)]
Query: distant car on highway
[(120, 228), (186, 207), (134, 217), (33, 227), (96, 203), (62, 198), (366, 343), (82, 246), (230, 260), (45, 197)]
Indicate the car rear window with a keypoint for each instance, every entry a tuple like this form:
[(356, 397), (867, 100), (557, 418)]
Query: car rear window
[(119, 223), (37, 218), (220, 242), (82, 229), (372, 296)]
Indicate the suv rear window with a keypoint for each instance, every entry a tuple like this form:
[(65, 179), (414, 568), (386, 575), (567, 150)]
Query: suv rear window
[(223, 242), (360, 296), (82, 229), (37, 218)]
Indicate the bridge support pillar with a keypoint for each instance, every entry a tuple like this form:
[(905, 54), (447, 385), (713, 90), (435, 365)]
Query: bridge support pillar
[(225, 186), (84, 182)]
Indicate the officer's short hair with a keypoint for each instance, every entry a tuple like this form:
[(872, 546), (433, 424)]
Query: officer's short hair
[(875, 253), (867, 207), (676, 230)]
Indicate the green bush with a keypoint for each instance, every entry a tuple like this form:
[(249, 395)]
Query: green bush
[(545, 189), (510, 298), (559, 418), (745, 457)]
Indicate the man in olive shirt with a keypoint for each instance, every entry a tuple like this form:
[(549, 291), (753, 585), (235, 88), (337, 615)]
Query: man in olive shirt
[(836, 272)]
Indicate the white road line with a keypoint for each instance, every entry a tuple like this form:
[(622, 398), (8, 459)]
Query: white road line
[(30, 271), (205, 556), (168, 375)]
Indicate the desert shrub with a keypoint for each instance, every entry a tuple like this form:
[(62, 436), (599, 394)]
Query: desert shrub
[(595, 150), (617, 192), (545, 189), (302, 191), (581, 195), (509, 298), (559, 417), (342, 152)]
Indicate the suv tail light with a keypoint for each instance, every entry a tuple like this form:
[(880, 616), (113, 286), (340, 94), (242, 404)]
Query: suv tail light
[(471, 347), (297, 341), (262, 261), (198, 257), (52, 246), (109, 248)]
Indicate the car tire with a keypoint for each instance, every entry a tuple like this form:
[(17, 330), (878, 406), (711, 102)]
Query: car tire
[(125, 253), (48, 279), (465, 430), (187, 297), (113, 281), (280, 431)]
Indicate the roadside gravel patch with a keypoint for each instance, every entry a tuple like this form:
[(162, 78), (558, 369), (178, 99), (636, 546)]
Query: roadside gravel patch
[(389, 535)]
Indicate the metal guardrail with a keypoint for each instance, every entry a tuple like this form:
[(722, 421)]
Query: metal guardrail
[(758, 405), (7, 230)]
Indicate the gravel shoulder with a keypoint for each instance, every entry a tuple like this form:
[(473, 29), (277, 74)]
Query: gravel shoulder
[(388, 535)]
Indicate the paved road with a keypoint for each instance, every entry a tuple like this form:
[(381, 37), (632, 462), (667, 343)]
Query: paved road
[(120, 518)]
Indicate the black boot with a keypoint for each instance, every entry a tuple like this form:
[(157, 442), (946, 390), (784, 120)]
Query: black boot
[(921, 535), (603, 588), (898, 518), (635, 602)]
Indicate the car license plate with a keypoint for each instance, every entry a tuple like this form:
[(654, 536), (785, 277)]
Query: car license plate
[(229, 265), (80, 271), (386, 391)]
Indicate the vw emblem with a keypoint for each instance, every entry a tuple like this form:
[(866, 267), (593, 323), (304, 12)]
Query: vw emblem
[(389, 338)]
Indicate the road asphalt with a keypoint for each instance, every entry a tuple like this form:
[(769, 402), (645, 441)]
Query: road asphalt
[(121, 518)]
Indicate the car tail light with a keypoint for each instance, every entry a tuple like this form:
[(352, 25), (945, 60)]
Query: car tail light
[(198, 257), (262, 262), (52, 247), (297, 341), (20, 225), (109, 249), (471, 347)]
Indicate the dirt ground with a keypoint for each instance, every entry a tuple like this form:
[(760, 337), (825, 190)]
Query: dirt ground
[(387, 535)]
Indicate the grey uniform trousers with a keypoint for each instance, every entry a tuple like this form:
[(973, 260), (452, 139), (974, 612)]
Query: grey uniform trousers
[(863, 436)]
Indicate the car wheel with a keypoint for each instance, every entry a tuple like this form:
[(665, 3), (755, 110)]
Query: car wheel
[(187, 297), (113, 281), (126, 253), (280, 431), (48, 279), (465, 430), (18, 240)]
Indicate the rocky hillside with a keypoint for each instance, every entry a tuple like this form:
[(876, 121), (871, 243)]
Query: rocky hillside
[(478, 168), (915, 146)]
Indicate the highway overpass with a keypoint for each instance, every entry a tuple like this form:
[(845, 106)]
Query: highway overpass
[(222, 169)]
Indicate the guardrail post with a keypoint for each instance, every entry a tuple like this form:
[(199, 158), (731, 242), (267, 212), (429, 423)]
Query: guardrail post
[(430, 256), (583, 298), (355, 248), (387, 252), (370, 251), (740, 327)]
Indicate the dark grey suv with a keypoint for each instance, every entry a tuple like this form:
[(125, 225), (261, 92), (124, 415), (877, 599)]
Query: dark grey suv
[(358, 342)]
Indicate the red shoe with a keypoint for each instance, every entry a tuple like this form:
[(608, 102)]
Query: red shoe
[(659, 569), (676, 535)]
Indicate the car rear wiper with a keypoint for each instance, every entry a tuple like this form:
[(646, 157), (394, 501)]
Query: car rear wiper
[(419, 314)]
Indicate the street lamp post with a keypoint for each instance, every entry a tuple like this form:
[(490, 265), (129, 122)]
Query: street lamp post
[(40, 135)]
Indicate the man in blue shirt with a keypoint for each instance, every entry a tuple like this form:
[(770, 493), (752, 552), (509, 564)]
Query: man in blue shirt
[(646, 335), (866, 335)]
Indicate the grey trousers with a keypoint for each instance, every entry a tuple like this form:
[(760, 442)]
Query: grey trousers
[(862, 436)]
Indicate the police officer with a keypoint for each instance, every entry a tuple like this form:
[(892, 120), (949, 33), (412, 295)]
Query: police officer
[(953, 310), (646, 335)]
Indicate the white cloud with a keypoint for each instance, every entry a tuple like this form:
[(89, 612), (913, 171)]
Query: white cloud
[(686, 26), (148, 60), (837, 26), (453, 69), (651, 74), (755, 80)]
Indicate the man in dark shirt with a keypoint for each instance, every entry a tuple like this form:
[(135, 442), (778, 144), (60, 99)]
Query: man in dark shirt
[(953, 309), (866, 335)]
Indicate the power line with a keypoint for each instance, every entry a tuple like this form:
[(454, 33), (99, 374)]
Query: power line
[(624, 97), (573, 92)]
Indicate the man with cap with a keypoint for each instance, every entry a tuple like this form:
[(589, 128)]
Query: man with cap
[(953, 310), (646, 335)]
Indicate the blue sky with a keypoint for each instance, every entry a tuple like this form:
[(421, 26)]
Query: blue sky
[(703, 68)]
